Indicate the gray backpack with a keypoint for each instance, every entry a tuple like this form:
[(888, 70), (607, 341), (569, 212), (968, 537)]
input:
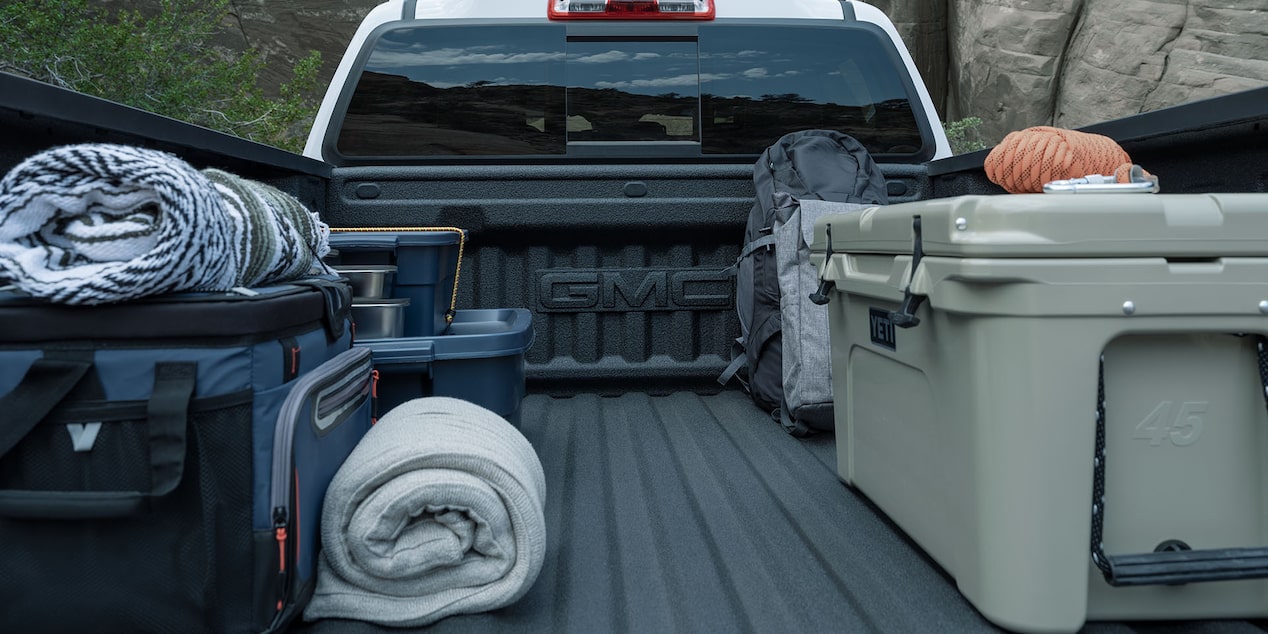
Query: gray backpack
[(790, 376)]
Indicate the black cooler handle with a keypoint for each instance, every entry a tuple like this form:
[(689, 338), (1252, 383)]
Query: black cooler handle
[(45, 384), (1173, 562)]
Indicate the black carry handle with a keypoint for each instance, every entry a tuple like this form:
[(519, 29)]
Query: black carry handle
[(46, 383), (1172, 562), (1175, 567), (337, 295)]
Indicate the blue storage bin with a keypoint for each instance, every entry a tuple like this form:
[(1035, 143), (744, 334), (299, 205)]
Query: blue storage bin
[(426, 263), (479, 359)]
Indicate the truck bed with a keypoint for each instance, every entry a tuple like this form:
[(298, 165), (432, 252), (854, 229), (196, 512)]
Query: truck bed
[(690, 512), (675, 511)]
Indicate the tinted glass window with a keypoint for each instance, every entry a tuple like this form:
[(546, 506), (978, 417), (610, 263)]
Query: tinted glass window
[(633, 90), (758, 83), (487, 90), (530, 90)]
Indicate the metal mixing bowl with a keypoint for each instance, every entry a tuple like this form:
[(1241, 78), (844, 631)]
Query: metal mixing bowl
[(379, 318), (371, 281)]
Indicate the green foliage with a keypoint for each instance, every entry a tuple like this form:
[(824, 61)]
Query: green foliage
[(964, 135), (164, 62)]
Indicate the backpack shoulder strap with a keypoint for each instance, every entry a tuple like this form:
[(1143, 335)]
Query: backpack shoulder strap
[(738, 360)]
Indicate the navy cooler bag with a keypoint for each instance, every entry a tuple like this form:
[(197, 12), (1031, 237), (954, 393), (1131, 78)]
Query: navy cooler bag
[(163, 462)]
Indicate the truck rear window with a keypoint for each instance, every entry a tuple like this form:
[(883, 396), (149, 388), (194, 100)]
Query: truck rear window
[(535, 91)]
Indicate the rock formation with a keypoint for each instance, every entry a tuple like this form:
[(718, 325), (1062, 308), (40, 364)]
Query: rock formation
[(1019, 63)]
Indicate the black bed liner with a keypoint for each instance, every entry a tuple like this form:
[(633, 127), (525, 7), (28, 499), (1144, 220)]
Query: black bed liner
[(698, 513)]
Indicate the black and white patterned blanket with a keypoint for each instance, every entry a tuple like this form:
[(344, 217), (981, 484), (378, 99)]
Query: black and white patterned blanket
[(100, 223)]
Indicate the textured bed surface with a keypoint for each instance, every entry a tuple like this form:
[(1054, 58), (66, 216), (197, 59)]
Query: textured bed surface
[(698, 513)]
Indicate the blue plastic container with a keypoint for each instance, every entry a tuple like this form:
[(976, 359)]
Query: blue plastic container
[(426, 262), (480, 359)]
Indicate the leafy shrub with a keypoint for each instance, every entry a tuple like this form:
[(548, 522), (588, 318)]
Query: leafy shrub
[(964, 135), (163, 61)]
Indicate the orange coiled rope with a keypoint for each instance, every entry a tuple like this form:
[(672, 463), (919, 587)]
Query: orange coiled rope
[(1026, 159)]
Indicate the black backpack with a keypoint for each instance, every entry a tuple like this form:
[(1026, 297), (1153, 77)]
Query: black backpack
[(809, 164)]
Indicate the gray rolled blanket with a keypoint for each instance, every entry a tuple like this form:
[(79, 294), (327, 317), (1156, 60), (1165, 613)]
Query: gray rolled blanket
[(438, 511), (100, 223)]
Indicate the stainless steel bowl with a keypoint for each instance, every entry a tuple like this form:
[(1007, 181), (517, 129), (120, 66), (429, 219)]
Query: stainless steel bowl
[(371, 281), (379, 318)]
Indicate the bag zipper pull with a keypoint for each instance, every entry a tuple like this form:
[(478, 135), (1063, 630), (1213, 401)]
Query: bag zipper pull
[(279, 533), (374, 397)]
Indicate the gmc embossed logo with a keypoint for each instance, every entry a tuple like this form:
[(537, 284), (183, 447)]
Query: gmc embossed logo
[(624, 290)]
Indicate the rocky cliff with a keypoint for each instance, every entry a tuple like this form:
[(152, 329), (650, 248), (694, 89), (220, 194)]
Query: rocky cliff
[(1018, 63), (1013, 63)]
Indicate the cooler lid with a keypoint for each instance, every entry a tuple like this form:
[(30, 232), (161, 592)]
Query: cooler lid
[(1054, 225)]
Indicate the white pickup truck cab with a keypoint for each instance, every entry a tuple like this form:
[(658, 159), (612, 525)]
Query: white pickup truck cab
[(669, 80)]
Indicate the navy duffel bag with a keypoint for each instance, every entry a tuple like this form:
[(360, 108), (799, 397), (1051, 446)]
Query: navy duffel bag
[(163, 462)]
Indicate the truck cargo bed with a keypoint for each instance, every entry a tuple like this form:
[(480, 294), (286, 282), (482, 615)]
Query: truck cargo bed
[(687, 512)]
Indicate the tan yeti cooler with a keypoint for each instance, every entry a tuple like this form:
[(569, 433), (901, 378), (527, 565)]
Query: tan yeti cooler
[(976, 429)]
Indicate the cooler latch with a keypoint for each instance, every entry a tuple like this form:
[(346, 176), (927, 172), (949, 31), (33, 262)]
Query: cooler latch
[(820, 296), (905, 316)]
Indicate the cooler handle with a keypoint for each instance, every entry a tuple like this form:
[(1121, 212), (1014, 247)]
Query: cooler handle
[(1173, 562), (166, 417)]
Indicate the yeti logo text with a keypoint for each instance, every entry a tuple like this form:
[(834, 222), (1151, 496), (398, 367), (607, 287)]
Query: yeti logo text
[(881, 327), (623, 290)]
